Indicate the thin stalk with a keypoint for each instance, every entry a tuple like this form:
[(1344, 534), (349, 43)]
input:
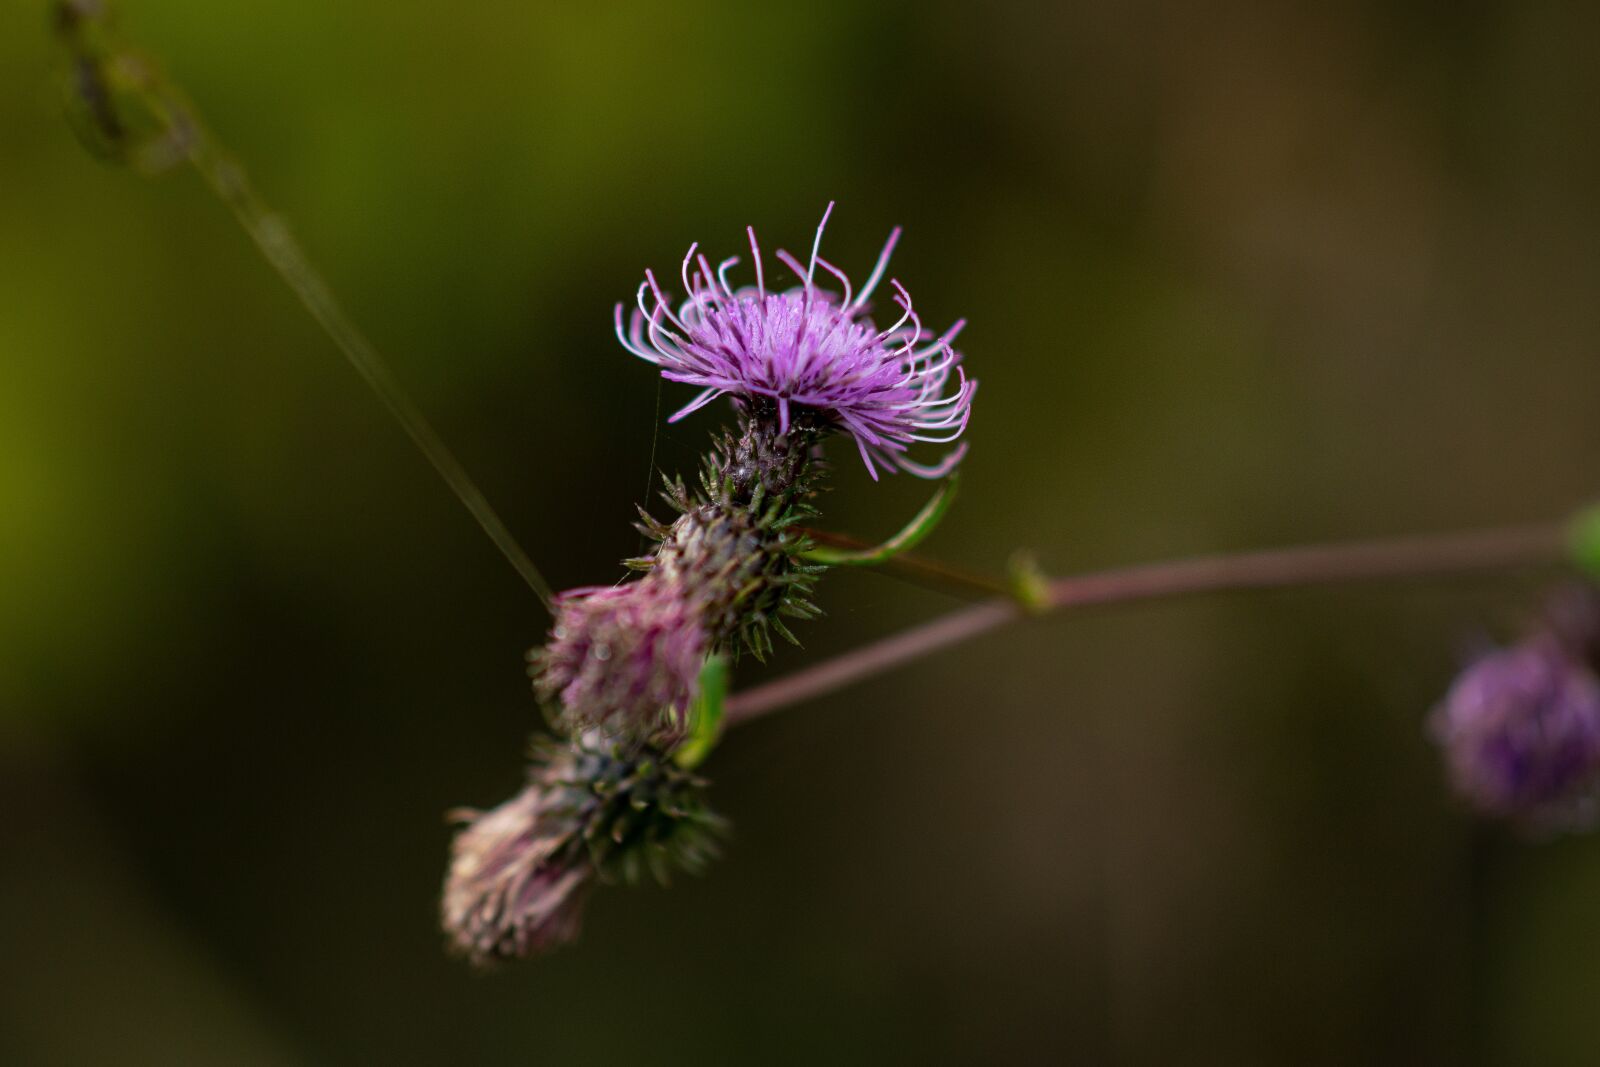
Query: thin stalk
[(230, 183), (104, 69), (919, 570), (1456, 553)]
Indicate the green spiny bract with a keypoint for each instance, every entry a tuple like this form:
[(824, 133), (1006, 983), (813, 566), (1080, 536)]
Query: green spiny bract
[(738, 537), (639, 813)]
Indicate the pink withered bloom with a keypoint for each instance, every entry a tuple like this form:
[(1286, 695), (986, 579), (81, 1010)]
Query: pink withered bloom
[(625, 656), (809, 349), (519, 873)]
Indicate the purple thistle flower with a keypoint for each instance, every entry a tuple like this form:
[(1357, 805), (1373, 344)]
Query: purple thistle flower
[(628, 654), (1520, 729), (810, 348)]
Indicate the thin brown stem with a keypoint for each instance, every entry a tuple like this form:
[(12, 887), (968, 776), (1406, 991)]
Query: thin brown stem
[(1479, 550), (919, 570)]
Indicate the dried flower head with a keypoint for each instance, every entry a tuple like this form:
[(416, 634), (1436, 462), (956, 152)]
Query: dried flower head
[(520, 872), (626, 655), (516, 884), (810, 348), (1520, 729)]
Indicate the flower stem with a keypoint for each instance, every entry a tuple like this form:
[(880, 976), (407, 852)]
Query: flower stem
[(230, 183), (1456, 553), (111, 69), (929, 573)]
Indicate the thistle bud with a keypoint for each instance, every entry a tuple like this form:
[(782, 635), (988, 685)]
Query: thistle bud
[(626, 660)]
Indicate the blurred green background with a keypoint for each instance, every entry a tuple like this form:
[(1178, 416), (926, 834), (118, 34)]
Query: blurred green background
[(1238, 274)]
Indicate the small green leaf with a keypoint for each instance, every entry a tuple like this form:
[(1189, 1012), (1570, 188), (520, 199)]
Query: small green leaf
[(919, 527), (1584, 541), (705, 714)]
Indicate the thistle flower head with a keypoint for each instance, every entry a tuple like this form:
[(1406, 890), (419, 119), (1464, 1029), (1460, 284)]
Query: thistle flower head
[(810, 351), (623, 656), (1520, 729), (519, 873)]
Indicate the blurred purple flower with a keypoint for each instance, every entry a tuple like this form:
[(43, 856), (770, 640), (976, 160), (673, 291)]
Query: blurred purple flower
[(810, 349), (627, 655), (1520, 730)]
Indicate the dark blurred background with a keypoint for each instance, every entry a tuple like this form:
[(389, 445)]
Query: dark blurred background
[(1238, 274)]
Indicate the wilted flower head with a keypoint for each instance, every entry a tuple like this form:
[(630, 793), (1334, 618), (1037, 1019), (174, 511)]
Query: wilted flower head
[(517, 874), (625, 656), (1520, 729), (811, 349), (520, 872)]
